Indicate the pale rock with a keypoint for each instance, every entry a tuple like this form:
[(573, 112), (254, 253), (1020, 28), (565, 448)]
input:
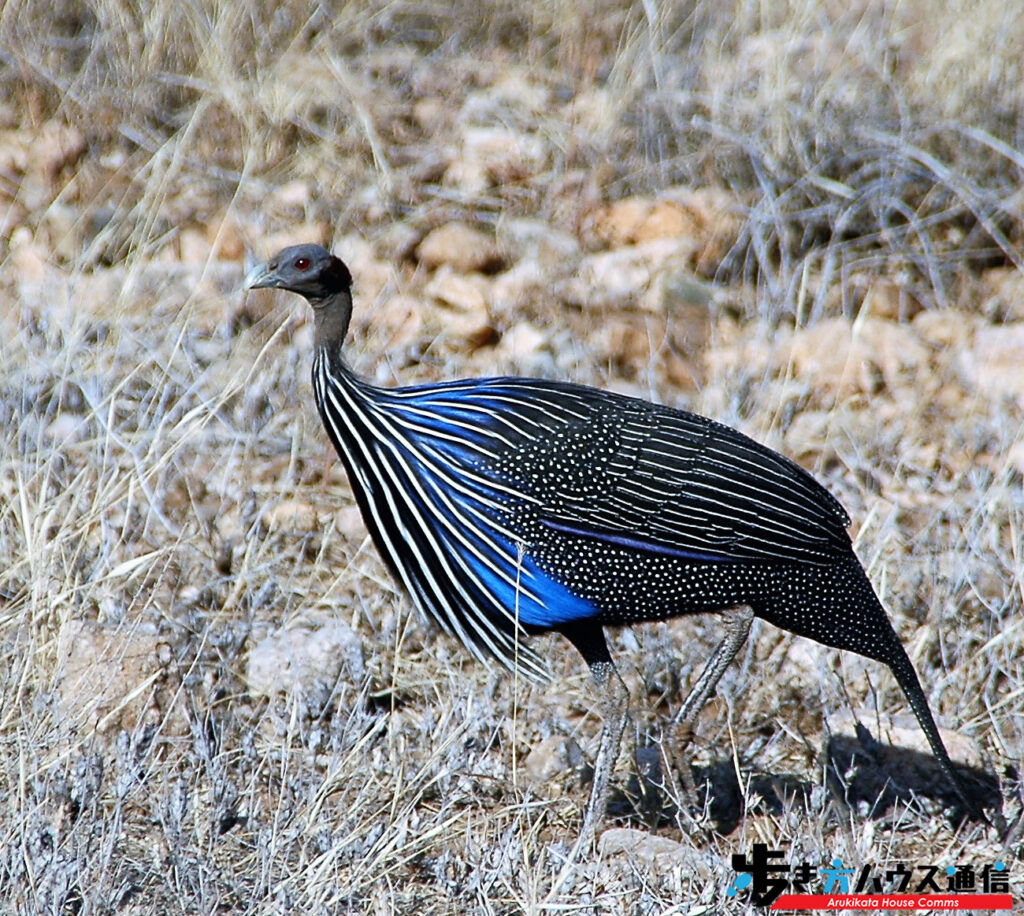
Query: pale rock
[(508, 154), (631, 339), (430, 112), (717, 217), (620, 278), (54, 146), (810, 431), (884, 298), (806, 663), (521, 344), (464, 314), (227, 238), (537, 241), (28, 258), (667, 220), (518, 286), (468, 175), (398, 238), (903, 731), (460, 292), (396, 321), (1002, 294), (736, 352), (291, 515), (547, 761), (843, 358), (292, 195), (469, 330), (356, 252), (350, 524), (40, 284), (683, 288), (994, 365), (657, 853), (115, 676), (513, 91), (708, 218), (946, 329), (1014, 458), (65, 428), (494, 155), (305, 662), (373, 277), (683, 372), (617, 224), (62, 226), (37, 156), (593, 110), (193, 247), (461, 247)]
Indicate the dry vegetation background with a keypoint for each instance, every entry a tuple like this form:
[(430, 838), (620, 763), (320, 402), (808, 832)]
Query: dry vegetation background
[(802, 218)]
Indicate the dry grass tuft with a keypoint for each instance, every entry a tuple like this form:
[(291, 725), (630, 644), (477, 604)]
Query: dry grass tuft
[(801, 218)]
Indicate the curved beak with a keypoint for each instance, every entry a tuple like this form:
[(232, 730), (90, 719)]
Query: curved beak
[(260, 277)]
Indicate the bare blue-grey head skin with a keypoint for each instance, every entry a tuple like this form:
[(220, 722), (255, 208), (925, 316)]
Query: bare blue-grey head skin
[(317, 275)]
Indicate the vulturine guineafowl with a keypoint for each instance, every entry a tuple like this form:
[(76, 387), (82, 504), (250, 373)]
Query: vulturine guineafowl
[(512, 506)]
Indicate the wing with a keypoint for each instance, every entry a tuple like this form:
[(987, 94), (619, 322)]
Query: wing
[(682, 485), (652, 478)]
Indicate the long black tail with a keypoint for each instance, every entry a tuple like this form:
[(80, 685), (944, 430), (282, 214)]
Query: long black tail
[(901, 668), (837, 605)]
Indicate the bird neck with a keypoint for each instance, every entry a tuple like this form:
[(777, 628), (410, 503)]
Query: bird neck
[(331, 317)]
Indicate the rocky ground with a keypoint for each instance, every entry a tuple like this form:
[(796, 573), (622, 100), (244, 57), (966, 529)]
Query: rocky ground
[(805, 222)]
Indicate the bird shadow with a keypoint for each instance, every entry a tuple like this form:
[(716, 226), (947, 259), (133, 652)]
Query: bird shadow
[(861, 773)]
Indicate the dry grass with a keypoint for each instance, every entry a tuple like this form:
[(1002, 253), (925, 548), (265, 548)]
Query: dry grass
[(168, 506)]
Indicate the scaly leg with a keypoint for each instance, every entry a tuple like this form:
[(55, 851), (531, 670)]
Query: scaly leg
[(614, 706), (737, 627), (614, 698)]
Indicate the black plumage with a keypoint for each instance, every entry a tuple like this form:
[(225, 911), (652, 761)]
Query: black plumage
[(512, 506)]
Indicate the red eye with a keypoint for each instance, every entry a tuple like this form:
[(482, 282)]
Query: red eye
[(302, 263)]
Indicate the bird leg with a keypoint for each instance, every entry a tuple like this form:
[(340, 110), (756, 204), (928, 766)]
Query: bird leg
[(588, 638), (737, 627), (614, 706)]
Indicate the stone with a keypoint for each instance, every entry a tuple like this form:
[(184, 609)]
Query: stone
[(536, 240), (547, 761), (993, 365), (658, 853), (1002, 294), (291, 515), (620, 278), (844, 358), (396, 321), (521, 344), (115, 676), (305, 661), (495, 155), (457, 291), (708, 218), (461, 247), (350, 525)]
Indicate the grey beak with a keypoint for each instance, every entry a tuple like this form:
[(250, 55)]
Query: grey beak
[(260, 276)]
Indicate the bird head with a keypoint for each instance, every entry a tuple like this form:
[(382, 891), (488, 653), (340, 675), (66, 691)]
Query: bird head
[(309, 270)]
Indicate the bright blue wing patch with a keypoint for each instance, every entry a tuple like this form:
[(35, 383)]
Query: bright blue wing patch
[(447, 417), (533, 597)]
